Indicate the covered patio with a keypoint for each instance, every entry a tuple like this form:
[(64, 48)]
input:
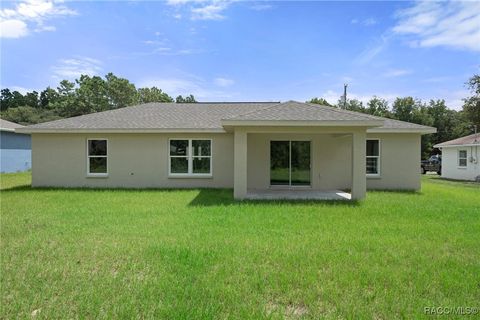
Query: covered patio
[(300, 131)]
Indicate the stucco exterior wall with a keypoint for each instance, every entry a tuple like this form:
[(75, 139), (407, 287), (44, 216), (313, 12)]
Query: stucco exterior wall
[(331, 159), (141, 160), (450, 168), (134, 161), (399, 162)]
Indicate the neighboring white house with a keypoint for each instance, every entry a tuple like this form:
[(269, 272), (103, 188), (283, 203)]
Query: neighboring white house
[(15, 148), (460, 158), (266, 150)]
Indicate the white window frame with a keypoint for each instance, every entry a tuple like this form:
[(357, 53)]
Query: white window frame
[(96, 174), (190, 157), (379, 159), (461, 158)]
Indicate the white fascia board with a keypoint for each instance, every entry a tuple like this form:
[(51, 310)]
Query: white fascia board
[(402, 130), (187, 130), (308, 123), (457, 145)]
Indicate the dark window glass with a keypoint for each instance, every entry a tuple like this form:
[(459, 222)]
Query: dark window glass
[(97, 147), (178, 147), (280, 162), (372, 165), (300, 163), (179, 165), (372, 148), (98, 164), (201, 147), (201, 165)]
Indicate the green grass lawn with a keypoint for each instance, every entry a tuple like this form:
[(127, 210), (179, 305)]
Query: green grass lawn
[(197, 254)]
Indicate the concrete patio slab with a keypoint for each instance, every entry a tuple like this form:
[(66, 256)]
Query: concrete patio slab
[(300, 194)]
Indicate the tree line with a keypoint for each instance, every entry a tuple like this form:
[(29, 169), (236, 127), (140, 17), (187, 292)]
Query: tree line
[(85, 95), (90, 94), (450, 124)]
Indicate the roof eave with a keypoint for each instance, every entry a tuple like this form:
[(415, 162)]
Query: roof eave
[(309, 123), (426, 130), (457, 145), (126, 130)]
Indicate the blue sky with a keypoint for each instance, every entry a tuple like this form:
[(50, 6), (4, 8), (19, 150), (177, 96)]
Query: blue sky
[(247, 51)]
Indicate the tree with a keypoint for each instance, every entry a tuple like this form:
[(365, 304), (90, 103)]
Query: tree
[(31, 99), (65, 104), (445, 120), (48, 97), (153, 94), (6, 99), (120, 91), (404, 108), (11, 99), (92, 94), (28, 115), (352, 105), (378, 107), (187, 99), (320, 101), (471, 106)]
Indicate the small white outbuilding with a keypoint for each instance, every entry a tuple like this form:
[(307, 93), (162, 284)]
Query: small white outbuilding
[(461, 157)]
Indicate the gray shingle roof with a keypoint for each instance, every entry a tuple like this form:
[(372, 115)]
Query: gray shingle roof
[(208, 116), (472, 139), (297, 111), (8, 125)]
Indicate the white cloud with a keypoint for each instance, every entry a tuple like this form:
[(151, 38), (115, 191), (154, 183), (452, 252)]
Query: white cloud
[(393, 73), (223, 82), (366, 22), (454, 99), (209, 12), (201, 9), (13, 28), (372, 51), (452, 24), (74, 67), (261, 6), (15, 22)]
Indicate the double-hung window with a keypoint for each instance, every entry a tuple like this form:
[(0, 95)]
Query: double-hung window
[(462, 158), (373, 157), (97, 157), (190, 157)]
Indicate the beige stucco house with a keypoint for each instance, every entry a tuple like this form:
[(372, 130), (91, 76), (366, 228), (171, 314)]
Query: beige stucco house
[(260, 149), (460, 158)]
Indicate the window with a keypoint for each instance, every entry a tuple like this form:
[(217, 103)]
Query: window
[(373, 157), (462, 158), (190, 157), (97, 157)]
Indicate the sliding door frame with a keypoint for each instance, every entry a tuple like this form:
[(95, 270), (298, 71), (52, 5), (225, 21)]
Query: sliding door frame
[(289, 185)]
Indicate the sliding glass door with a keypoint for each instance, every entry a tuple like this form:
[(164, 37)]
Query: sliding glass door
[(290, 163)]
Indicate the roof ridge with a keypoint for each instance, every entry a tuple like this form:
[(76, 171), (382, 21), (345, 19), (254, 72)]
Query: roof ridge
[(233, 102), (337, 110), (252, 112)]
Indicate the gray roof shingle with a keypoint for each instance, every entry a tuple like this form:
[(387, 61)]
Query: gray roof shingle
[(208, 116), (8, 125), (472, 139), (298, 111)]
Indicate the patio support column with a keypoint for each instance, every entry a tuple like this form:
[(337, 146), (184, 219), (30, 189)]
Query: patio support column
[(359, 178), (240, 164)]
